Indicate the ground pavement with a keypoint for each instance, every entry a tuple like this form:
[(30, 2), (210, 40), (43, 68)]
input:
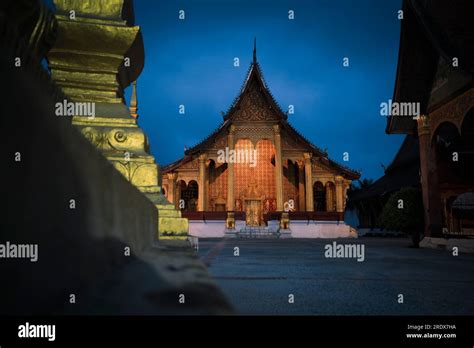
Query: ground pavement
[(261, 279)]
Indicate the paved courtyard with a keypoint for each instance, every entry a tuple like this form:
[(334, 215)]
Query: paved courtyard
[(267, 271)]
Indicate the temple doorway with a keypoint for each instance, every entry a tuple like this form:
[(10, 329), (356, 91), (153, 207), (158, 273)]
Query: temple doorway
[(189, 194)]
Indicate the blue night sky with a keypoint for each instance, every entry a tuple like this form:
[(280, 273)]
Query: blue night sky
[(190, 62)]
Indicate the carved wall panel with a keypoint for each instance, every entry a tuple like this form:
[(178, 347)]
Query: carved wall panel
[(254, 133), (454, 111)]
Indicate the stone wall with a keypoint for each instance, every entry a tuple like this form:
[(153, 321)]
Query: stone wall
[(321, 229), (76, 246)]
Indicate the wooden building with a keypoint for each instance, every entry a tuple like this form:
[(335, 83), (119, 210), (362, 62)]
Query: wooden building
[(435, 69), (257, 165)]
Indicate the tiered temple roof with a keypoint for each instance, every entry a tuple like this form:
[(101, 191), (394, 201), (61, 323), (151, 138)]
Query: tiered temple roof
[(437, 31), (254, 78)]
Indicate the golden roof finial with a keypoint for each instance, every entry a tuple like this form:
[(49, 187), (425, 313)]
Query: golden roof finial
[(255, 50), (133, 101)]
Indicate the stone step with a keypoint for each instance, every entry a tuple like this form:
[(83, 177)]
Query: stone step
[(169, 213), (170, 222), (256, 232), (176, 226), (257, 235), (166, 207)]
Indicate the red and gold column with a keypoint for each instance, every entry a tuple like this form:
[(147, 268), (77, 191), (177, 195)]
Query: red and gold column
[(429, 180)]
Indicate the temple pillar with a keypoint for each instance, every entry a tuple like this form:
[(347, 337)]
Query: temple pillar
[(172, 187), (308, 171), (178, 195), (202, 199), (301, 197), (230, 171), (278, 168), (329, 197), (207, 204), (429, 180), (346, 186), (340, 194)]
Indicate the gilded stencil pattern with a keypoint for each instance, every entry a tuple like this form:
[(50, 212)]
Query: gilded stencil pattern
[(263, 175)]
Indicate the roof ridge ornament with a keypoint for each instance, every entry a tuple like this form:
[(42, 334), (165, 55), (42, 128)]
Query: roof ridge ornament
[(255, 50)]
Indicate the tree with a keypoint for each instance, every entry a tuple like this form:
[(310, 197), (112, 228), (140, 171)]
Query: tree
[(404, 212), (366, 208), (359, 185), (363, 184)]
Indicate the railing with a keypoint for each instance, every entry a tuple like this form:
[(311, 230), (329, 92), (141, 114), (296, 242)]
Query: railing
[(274, 215), (317, 215), (211, 215), (306, 216)]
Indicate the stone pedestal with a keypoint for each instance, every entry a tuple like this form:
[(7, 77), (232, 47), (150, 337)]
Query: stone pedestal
[(284, 230), (230, 230)]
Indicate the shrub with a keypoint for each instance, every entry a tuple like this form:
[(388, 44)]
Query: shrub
[(404, 212)]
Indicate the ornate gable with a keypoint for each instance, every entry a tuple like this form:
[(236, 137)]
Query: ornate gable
[(253, 105), (255, 102)]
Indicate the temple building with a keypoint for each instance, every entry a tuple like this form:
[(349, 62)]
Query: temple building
[(440, 78), (258, 170), (367, 202)]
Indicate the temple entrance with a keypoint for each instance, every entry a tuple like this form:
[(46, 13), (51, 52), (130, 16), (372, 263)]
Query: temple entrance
[(319, 197), (253, 212), (251, 202), (189, 195)]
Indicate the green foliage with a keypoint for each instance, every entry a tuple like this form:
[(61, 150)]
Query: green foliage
[(363, 184), (409, 217), (360, 185)]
